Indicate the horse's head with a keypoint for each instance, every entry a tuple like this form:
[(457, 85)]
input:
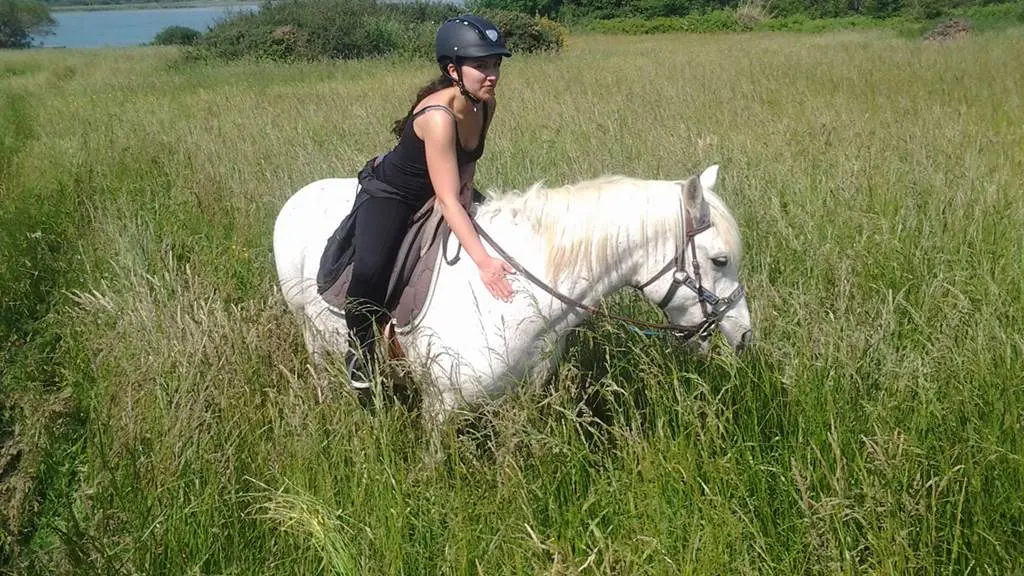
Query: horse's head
[(699, 287)]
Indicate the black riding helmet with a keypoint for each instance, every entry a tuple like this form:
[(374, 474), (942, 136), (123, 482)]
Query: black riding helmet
[(467, 36)]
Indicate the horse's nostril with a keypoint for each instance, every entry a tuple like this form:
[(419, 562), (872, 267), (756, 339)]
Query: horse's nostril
[(747, 339)]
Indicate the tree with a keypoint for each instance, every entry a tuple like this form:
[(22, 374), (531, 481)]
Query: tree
[(177, 36), (20, 20)]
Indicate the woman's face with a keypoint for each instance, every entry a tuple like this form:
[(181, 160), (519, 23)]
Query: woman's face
[(480, 75)]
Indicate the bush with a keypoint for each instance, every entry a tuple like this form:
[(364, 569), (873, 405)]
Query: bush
[(299, 30), (580, 10), (546, 8), (751, 13), (717, 21), (20, 20), (524, 34), (311, 29), (176, 36), (996, 17), (557, 32), (802, 23)]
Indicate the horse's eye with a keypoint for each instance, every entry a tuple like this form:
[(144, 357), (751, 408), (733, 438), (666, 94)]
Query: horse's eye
[(720, 261)]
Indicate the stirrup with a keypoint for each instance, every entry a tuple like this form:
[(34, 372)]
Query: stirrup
[(358, 383), (358, 376)]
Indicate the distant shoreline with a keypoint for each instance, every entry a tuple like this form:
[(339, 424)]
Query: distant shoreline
[(164, 4)]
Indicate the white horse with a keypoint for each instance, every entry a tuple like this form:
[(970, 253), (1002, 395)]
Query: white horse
[(572, 245)]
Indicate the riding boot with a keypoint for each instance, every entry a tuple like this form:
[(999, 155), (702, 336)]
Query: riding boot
[(359, 365)]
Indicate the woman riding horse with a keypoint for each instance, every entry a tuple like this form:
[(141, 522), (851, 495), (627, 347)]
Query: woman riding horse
[(439, 142)]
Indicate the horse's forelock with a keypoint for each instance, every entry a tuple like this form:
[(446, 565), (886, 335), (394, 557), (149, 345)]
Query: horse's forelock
[(725, 225)]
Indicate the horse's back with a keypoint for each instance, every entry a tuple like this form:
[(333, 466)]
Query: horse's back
[(302, 228)]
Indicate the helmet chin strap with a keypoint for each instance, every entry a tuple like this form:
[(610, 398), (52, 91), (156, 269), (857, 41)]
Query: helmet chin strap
[(462, 87)]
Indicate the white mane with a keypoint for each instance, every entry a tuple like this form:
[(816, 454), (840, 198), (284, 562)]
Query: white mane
[(587, 226)]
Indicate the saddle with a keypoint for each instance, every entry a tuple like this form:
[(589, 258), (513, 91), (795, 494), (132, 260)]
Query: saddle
[(412, 276)]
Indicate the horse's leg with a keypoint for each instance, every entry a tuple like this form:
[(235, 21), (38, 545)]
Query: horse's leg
[(326, 339), (315, 348), (314, 344)]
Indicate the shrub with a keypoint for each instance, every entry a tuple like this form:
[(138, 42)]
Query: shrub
[(524, 34), (297, 29), (311, 29), (176, 36), (801, 23), (547, 8), (750, 13), (994, 17), (717, 21), (557, 32)]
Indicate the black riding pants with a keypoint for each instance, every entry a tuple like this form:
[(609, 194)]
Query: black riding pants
[(380, 228)]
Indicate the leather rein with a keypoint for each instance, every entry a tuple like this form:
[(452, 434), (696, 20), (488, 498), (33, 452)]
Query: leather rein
[(713, 307)]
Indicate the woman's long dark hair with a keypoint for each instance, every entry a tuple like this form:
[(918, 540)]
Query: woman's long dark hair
[(440, 83)]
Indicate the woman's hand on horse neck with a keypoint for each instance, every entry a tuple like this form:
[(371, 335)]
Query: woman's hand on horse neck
[(438, 134)]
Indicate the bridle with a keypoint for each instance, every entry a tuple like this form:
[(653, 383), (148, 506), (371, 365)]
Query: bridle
[(713, 307)]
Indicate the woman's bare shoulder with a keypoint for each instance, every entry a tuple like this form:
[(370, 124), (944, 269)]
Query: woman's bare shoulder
[(445, 97)]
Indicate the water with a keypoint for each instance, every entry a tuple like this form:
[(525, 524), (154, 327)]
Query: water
[(133, 27), (129, 27)]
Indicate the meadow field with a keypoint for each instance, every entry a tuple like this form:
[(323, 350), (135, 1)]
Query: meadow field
[(159, 416)]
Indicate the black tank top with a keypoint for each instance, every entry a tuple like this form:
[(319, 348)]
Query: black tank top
[(404, 168)]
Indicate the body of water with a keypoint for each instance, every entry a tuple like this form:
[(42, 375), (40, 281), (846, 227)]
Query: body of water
[(130, 27)]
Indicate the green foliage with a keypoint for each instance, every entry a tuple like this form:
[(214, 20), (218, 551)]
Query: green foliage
[(983, 18), (881, 8), (577, 11), (304, 30), (177, 36), (311, 30), (526, 34), (718, 21), (994, 17), (924, 9), (20, 20), (547, 8), (801, 23)]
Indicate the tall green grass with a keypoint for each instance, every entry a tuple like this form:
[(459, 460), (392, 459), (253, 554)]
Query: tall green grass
[(159, 416)]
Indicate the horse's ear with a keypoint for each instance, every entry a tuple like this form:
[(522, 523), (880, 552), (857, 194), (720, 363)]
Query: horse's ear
[(709, 177), (693, 195)]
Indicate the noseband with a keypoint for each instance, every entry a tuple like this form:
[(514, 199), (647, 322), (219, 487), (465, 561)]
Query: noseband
[(713, 307), (680, 277)]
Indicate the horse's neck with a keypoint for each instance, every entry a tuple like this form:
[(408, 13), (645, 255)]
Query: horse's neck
[(587, 286), (591, 284)]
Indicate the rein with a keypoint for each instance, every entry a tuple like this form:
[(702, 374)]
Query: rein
[(680, 278)]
